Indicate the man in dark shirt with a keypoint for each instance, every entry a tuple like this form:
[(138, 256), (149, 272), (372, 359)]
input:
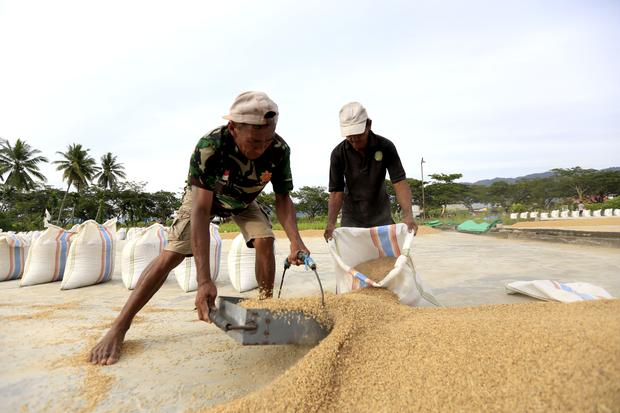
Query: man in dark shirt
[(229, 168), (357, 176)]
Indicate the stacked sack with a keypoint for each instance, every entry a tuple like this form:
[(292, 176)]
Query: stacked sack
[(133, 232), (47, 256), (91, 256), (13, 252), (185, 272), (121, 240), (241, 265), (140, 250)]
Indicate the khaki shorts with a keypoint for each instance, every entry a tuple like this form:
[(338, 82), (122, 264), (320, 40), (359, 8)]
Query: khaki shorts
[(252, 222)]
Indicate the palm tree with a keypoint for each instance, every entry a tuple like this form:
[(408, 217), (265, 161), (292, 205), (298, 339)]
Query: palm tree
[(21, 163), (109, 175), (78, 169)]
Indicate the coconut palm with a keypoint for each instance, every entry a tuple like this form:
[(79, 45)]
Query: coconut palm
[(21, 162), (109, 175), (110, 171), (78, 169)]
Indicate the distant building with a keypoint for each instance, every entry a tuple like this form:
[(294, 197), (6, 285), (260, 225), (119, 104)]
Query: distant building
[(416, 210)]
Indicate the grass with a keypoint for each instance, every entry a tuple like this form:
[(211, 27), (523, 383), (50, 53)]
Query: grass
[(302, 224), (319, 223)]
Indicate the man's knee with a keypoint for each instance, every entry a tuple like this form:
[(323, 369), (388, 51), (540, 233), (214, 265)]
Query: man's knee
[(263, 245)]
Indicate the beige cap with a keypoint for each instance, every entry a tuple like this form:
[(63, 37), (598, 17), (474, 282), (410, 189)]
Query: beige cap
[(254, 108), (353, 119)]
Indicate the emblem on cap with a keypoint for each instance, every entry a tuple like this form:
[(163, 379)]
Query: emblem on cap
[(378, 156)]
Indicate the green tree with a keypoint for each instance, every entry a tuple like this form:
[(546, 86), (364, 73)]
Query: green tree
[(312, 200), (606, 183), (444, 190), (24, 211), (416, 192), (110, 172), (85, 204), (520, 192), (108, 176), (543, 192), (473, 194), (21, 162), (268, 201), (164, 204), (576, 181), (133, 202), (78, 169), (498, 193)]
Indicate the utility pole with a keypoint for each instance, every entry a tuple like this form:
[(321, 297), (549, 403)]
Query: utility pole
[(422, 172)]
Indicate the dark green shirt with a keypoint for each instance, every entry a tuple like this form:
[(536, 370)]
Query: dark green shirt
[(217, 165)]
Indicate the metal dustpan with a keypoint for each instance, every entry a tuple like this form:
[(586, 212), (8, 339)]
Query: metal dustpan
[(251, 326)]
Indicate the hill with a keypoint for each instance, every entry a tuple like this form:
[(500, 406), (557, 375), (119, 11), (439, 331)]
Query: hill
[(539, 175)]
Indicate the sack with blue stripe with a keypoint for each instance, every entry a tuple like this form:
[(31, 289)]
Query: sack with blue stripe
[(354, 246), (91, 255), (13, 251), (47, 256)]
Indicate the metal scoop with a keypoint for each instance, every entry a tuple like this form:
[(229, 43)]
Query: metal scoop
[(256, 326)]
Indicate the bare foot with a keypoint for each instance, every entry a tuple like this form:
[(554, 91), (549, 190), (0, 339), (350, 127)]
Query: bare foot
[(108, 349)]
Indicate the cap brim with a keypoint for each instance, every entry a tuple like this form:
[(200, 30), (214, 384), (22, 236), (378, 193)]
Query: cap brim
[(247, 119), (353, 129)]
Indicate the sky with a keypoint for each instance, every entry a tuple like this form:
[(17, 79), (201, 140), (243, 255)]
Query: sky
[(483, 88)]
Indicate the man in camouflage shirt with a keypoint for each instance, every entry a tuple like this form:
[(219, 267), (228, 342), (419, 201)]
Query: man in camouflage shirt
[(230, 167)]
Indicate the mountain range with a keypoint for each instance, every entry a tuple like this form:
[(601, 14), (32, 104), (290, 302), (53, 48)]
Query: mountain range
[(487, 182)]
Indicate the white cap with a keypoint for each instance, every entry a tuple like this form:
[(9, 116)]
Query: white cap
[(254, 108), (353, 119)]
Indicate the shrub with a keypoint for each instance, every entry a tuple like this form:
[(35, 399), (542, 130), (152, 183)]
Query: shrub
[(612, 203), (518, 208)]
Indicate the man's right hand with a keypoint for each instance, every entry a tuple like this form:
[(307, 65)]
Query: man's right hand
[(205, 299), (329, 233)]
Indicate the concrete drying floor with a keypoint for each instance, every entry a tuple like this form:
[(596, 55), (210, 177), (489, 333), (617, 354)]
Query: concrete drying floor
[(173, 362)]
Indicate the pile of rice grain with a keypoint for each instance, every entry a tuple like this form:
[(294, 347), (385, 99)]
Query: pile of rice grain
[(376, 269), (382, 356)]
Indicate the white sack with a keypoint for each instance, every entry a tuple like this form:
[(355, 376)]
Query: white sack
[(118, 257), (133, 233), (121, 234), (241, 268), (91, 255), (139, 251), (13, 252), (550, 290), (353, 246), (47, 256), (185, 272)]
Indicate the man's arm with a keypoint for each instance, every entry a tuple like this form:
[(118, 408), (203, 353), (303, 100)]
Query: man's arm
[(202, 200), (403, 195), (334, 206), (285, 210)]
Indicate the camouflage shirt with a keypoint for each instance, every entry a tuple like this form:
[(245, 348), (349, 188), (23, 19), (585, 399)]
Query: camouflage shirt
[(217, 165)]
